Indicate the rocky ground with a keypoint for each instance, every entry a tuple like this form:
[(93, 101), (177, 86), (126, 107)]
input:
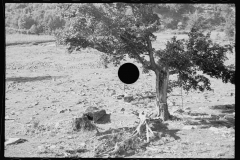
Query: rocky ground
[(46, 88)]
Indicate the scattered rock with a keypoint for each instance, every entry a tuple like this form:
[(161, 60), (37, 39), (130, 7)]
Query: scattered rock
[(128, 98), (62, 111), (41, 149), (135, 113), (120, 96), (80, 101), (214, 129), (113, 92), (35, 103), (56, 125), (52, 147), (13, 113), (178, 111), (82, 145), (11, 141), (198, 142), (189, 127)]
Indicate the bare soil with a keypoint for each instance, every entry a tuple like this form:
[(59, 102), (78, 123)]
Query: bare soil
[(46, 88)]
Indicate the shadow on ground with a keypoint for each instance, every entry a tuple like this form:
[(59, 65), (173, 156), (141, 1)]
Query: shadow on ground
[(157, 127), (229, 108), (145, 95), (32, 79), (224, 119), (162, 128)]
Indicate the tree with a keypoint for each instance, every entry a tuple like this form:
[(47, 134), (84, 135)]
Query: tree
[(33, 29), (120, 29), (25, 22)]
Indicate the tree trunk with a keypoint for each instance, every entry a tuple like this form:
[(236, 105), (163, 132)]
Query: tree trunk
[(161, 93)]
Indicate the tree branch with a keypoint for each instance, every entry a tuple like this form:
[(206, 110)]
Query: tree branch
[(150, 51), (143, 63), (137, 55)]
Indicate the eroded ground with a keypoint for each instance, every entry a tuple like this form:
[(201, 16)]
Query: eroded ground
[(46, 87)]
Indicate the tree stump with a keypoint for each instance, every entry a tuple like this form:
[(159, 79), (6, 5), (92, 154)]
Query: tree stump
[(94, 114), (84, 122)]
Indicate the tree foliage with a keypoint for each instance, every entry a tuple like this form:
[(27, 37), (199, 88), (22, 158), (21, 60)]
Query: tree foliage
[(197, 53), (116, 31), (46, 15), (24, 15)]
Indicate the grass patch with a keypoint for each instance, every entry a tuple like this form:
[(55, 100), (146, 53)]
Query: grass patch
[(15, 39)]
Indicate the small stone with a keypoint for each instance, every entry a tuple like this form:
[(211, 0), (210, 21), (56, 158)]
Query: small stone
[(57, 125), (113, 93), (52, 147), (41, 148), (214, 129), (188, 127), (83, 144), (128, 98), (35, 103), (120, 96)]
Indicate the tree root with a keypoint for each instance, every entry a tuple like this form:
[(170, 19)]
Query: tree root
[(124, 145)]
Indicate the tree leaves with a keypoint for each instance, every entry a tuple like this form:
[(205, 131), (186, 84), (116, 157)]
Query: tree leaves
[(107, 28), (198, 53)]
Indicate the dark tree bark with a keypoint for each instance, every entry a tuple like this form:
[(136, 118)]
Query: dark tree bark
[(162, 77), (161, 93)]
